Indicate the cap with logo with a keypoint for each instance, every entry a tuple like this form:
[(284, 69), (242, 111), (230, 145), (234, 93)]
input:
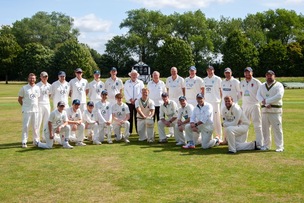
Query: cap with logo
[(182, 98), (192, 68), (61, 73), (90, 103), (248, 69), (76, 102), (44, 74), (270, 72), (113, 69), (78, 70), (96, 72), (61, 103), (104, 92), (227, 70), (199, 95)]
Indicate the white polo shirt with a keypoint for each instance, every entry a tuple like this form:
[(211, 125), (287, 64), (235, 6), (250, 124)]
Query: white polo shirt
[(30, 95), (72, 115), (57, 119), (231, 88), (184, 113), (45, 91), (249, 91), (169, 110), (78, 88), (234, 116), (60, 92), (156, 90), (120, 111), (95, 88), (113, 87), (132, 90), (89, 117), (175, 87), (104, 111), (203, 114), (212, 87), (193, 87)]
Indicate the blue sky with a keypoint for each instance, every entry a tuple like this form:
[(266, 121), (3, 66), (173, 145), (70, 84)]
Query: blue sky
[(98, 20)]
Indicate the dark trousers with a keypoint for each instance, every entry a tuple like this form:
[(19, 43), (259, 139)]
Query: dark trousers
[(156, 114), (133, 114)]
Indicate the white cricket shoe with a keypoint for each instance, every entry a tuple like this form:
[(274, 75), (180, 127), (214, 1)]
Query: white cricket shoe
[(180, 143), (80, 144), (67, 146), (279, 150), (24, 145), (96, 142)]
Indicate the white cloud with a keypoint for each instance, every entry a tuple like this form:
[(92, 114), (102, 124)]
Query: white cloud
[(91, 23), (180, 4), (283, 4), (95, 41)]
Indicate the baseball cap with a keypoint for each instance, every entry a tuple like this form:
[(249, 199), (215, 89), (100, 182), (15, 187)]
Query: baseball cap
[(97, 72), (227, 70), (104, 92), (43, 74), (76, 101), (61, 73), (78, 70), (182, 98), (199, 95), (164, 94), (210, 67), (248, 69), (61, 103), (192, 68), (270, 72), (113, 69), (90, 103)]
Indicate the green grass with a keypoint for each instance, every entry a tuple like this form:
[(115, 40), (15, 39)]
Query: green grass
[(140, 172)]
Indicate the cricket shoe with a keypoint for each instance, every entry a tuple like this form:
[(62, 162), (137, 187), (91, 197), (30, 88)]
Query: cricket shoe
[(80, 144), (189, 146), (67, 146)]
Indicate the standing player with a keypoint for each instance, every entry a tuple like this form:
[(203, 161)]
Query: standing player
[(250, 105), (213, 95), (236, 126), (132, 91), (270, 94), (175, 85), (79, 89), (121, 115), (193, 85), (57, 124), (230, 87), (44, 101), (60, 90), (95, 88), (114, 85), (145, 112), (28, 99), (90, 120)]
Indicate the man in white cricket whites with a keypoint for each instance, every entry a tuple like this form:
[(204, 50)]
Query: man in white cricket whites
[(79, 89), (175, 85), (201, 121), (57, 124), (114, 85), (213, 95), (132, 91), (121, 115), (167, 115), (270, 94), (60, 90), (250, 104), (230, 87), (235, 125), (90, 120), (193, 85), (75, 121), (145, 112), (183, 118), (104, 113), (44, 102), (95, 88), (28, 99)]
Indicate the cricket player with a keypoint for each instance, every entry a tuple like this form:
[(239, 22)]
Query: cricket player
[(28, 99), (132, 91), (235, 125), (60, 90), (270, 94), (95, 88), (193, 85), (250, 104), (114, 85), (145, 112), (121, 115), (167, 115), (57, 125), (183, 117), (79, 89), (104, 113), (75, 121), (44, 102), (213, 95), (201, 121), (90, 120), (175, 85), (230, 87)]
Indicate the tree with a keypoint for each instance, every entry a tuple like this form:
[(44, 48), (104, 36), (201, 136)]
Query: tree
[(46, 29), (174, 52), (238, 53), (295, 60), (9, 50)]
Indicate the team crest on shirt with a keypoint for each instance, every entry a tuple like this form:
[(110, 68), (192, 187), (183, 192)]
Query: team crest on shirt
[(66, 87), (79, 89), (58, 122), (100, 86), (92, 115), (62, 117), (107, 107), (76, 115), (119, 114), (212, 81), (252, 84), (62, 92), (116, 83), (103, 112), (32, 96), (123, 109), (83, 84)]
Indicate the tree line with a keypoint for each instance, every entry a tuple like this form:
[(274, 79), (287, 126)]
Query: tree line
[(273, 39)]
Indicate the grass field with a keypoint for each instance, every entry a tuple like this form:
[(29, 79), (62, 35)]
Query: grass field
[(141, 172)]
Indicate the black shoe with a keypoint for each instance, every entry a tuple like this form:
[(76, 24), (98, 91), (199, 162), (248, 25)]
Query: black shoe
[(231, 152), (256, 147), (163, 141)]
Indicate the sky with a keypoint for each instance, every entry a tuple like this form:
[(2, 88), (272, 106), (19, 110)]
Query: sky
[(98, 20)]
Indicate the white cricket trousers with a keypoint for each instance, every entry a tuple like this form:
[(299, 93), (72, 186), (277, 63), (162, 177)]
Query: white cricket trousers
[(64, 136), (253, 113), (117, 130), (274, 121), (44, 114), (30, 118), (206, 134), (217, 118), (179, 134), (145, 129), (93, 127), (235, 137), (79, 133), (104, 129), (161, 129)]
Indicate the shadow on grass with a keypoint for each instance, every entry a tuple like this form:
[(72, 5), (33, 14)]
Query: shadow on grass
[(10, 145)]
